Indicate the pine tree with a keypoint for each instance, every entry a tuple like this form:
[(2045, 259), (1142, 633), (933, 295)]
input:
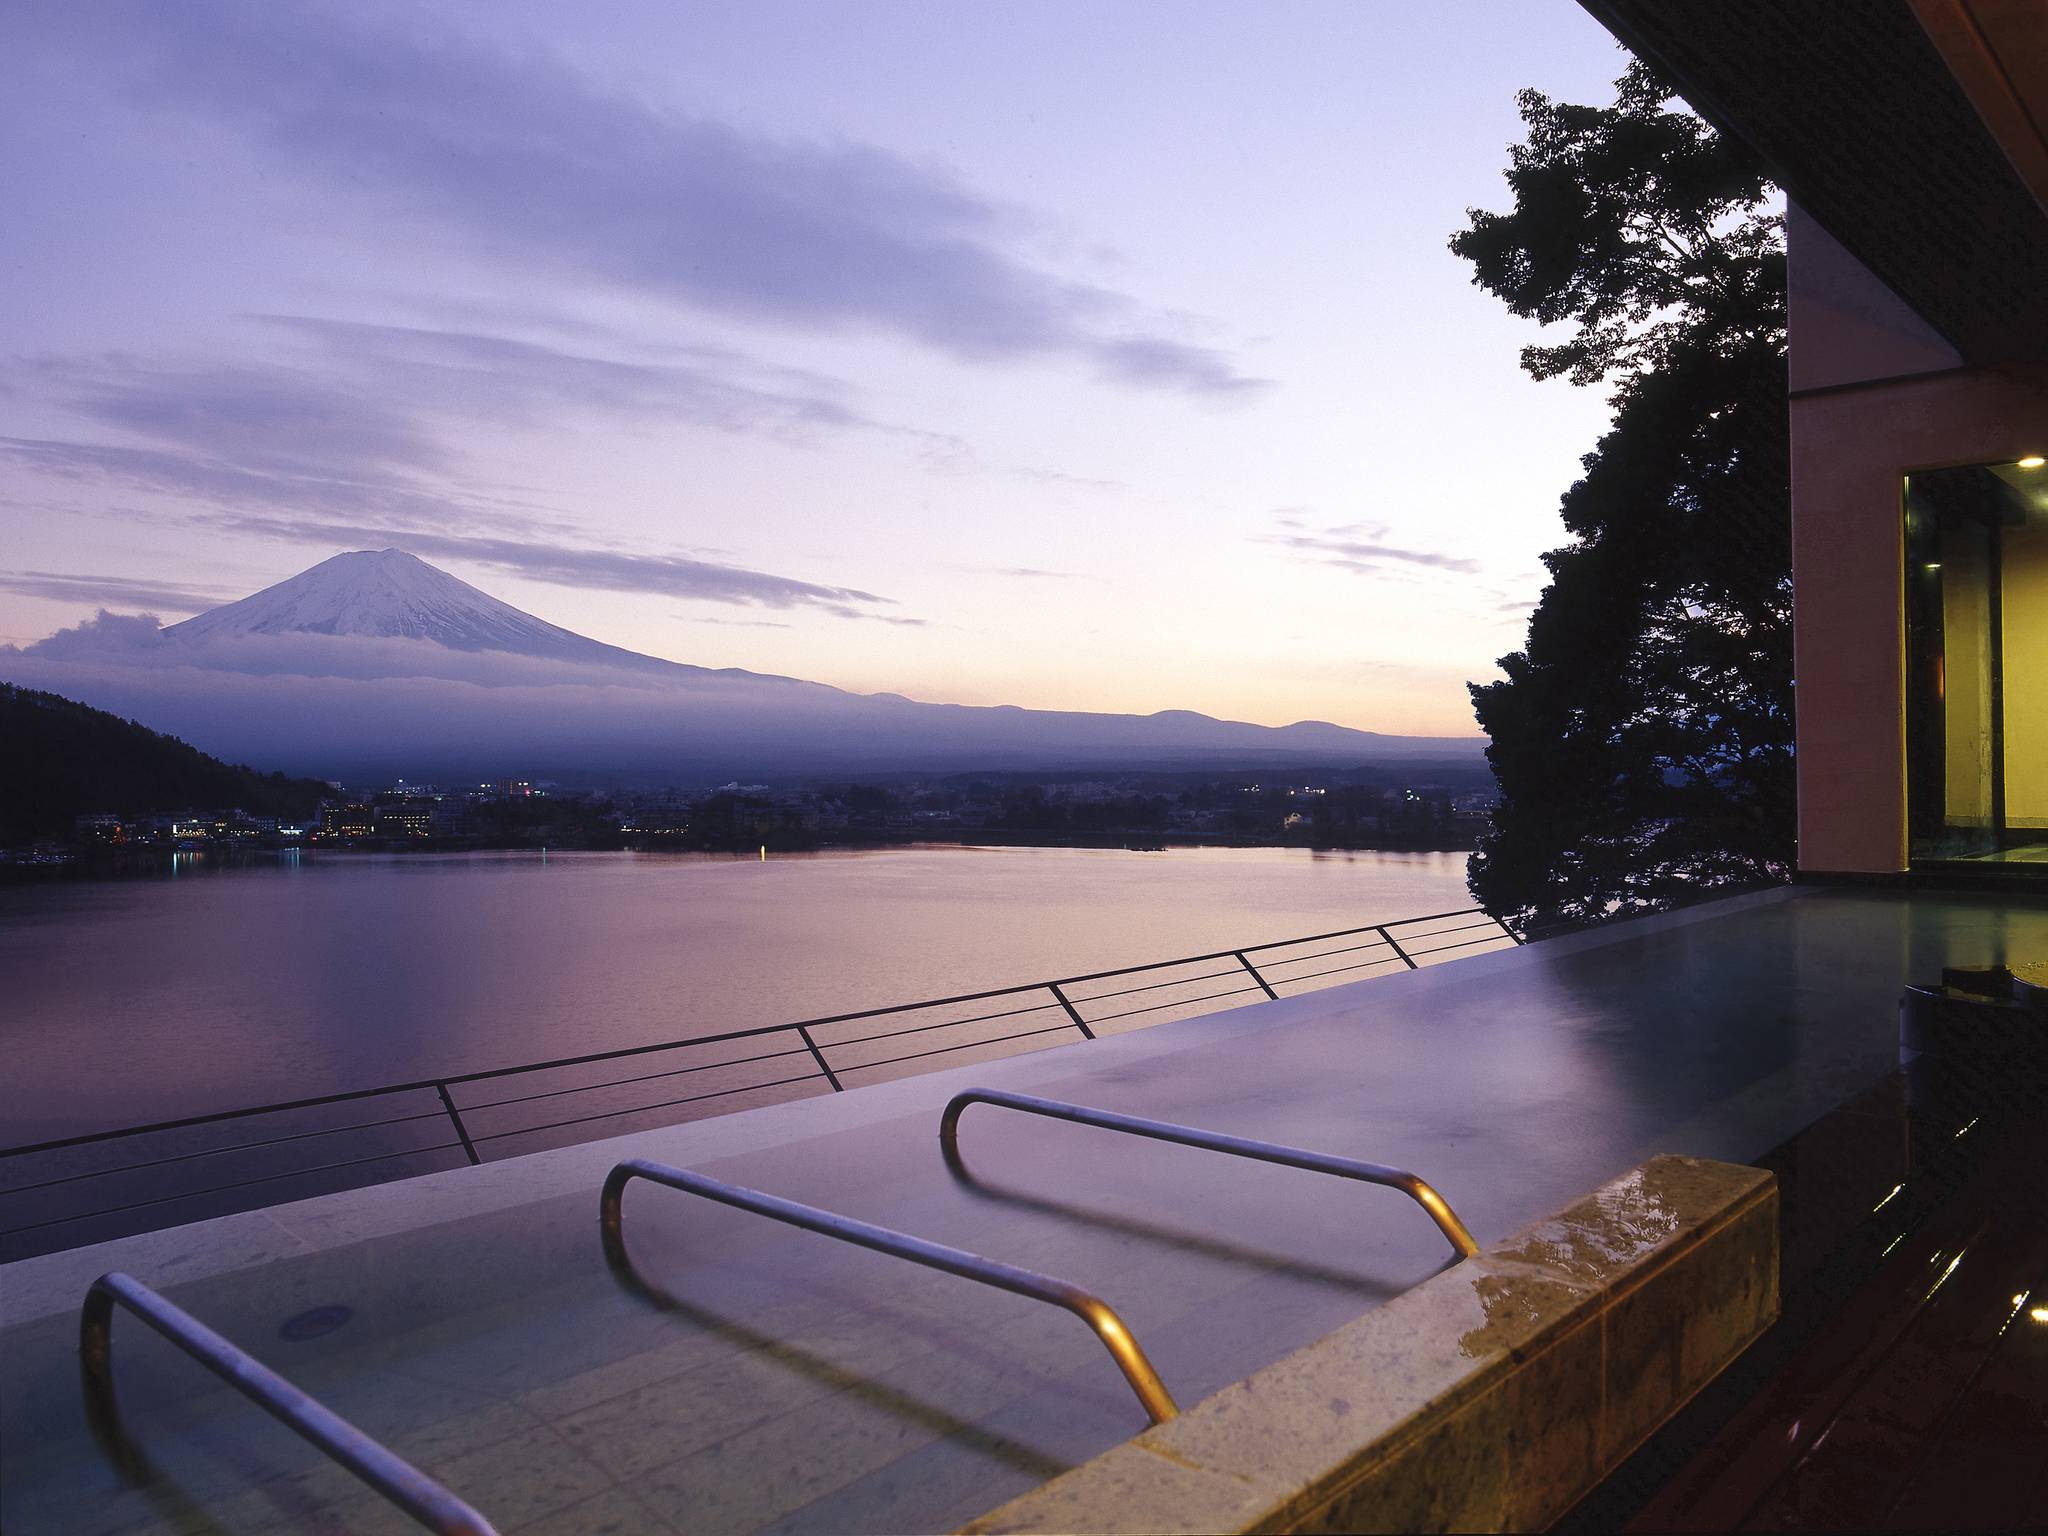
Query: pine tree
[(1642, 738)]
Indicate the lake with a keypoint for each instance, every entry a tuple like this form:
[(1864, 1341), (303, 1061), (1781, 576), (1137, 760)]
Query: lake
[(216, 987)]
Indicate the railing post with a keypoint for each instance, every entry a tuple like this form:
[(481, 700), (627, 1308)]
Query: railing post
[(456, 1119), (1254, 972), (1396, 948), (1072, 1012), (819, 1057)]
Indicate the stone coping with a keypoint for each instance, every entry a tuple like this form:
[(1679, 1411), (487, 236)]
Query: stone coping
[(1490, 1397)]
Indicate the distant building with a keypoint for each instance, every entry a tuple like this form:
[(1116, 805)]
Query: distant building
[(347, 821), (403, 818)]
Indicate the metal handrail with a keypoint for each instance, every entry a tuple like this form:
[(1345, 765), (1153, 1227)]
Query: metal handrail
[(1123, 1347), (824, 1062), (1409, 1184), (397, 1479), (437, 1084)]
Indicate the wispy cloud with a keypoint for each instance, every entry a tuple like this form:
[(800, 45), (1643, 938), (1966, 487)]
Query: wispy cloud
[(380, 397), (349, 449), (1361, 548), (527, 163), (113, 591), (308, 508)]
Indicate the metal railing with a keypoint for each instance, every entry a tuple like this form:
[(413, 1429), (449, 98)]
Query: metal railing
[(1414, 1188), (77, 1189), (397, 1479), (1091, 1309)]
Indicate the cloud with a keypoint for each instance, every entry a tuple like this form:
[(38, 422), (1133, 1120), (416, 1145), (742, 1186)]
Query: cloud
[(263, 417), (310, 509), (376, 397), (57, 586), (1361, 548), (351, 458), (104, 636), (526, 163)]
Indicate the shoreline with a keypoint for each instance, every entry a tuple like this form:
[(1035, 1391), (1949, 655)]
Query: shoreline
[(91, 863)]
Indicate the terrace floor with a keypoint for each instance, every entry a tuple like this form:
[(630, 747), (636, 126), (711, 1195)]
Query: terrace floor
[(760, 1378)]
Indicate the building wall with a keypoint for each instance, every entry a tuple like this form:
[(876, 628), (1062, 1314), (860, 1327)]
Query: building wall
[(1875, 395)]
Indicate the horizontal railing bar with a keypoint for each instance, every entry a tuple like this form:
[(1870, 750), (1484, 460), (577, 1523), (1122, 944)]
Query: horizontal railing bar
[(1433, 917), (1442, 933), (240, 1146), (613, 1114), (1179, 1002), (621, 1082), (1154, 986), (1413, 1187), (1253, 949), (1444, 949), (222, 1189), (923, 1029), (964, 1045), (432, 1505), (1335, 970), (1123, 1347), (1324, 954), (215, 1118)]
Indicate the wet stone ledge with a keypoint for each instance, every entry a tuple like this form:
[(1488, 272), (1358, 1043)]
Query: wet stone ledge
[(1491, 1397)]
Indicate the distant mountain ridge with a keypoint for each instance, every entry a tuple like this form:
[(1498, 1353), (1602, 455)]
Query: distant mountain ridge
[(375, 662)]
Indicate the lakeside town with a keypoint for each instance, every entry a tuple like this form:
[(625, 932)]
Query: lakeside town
[(1137, 810)]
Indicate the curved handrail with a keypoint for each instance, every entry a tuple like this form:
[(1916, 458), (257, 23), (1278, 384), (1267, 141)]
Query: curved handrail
[(1091, 1309), (1409, 1184), (397, 1479)]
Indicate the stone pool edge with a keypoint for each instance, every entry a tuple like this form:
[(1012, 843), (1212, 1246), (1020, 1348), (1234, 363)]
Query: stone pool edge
[(1490, 1397)]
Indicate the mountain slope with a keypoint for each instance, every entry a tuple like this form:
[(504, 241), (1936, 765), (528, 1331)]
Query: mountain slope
[(392, 595), (60, 760)]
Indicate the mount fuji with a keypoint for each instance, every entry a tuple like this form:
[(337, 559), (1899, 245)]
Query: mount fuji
[(375, 663), (388, 594)]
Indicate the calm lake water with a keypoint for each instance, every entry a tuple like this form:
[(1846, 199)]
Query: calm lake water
[(126, 1001)]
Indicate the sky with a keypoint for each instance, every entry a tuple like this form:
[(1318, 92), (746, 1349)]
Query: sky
[(1063, 355)]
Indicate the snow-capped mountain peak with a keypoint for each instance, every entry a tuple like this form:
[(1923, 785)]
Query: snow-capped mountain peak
[(390, 594)]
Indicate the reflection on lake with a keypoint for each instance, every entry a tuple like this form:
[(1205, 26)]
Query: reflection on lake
[(137, 1000)]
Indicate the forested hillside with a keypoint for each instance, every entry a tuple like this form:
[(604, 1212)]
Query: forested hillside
[(60, 760)]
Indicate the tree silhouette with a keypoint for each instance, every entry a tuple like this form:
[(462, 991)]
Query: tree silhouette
[(1642, 738)]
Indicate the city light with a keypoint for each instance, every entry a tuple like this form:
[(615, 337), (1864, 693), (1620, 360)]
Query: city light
[(2032, 461)]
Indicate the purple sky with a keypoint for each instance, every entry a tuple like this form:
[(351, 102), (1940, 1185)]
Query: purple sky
[(1067, 355)]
